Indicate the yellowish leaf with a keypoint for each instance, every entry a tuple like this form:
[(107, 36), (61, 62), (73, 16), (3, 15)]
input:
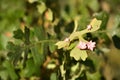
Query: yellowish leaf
[(78, 54)]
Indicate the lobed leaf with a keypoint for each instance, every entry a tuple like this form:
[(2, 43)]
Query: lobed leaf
[(95, 24), (78, 54), (41, 8), (18, 34)]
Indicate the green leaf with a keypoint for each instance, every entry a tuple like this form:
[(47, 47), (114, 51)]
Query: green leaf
[(40, 33), (62, 44), (3, 41), (37, 53), (41, 7), (78, 54), (10, 70), (53, 76), (3, 75), (17, 55), (52, 47), (11, 46), (30, 69), (18, 34)]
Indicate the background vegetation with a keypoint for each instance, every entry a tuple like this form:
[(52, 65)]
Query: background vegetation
[(29, 30)]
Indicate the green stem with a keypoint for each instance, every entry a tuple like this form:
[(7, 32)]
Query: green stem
[(39, 42), (76, 25), (103, 31)]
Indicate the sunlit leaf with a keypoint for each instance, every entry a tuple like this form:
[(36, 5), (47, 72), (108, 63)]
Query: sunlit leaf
[(53, 76), (41, 7), (49, 15), (51, 66), (95, 26), (78, 54)]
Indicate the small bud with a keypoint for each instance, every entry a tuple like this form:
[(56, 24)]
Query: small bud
[(67, 40), (89, 27)]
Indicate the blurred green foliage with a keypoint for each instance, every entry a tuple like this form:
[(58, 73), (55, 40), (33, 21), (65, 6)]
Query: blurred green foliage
[(29, 30)]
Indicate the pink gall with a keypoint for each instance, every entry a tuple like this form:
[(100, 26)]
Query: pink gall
[(82, 45), (91, 45)]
